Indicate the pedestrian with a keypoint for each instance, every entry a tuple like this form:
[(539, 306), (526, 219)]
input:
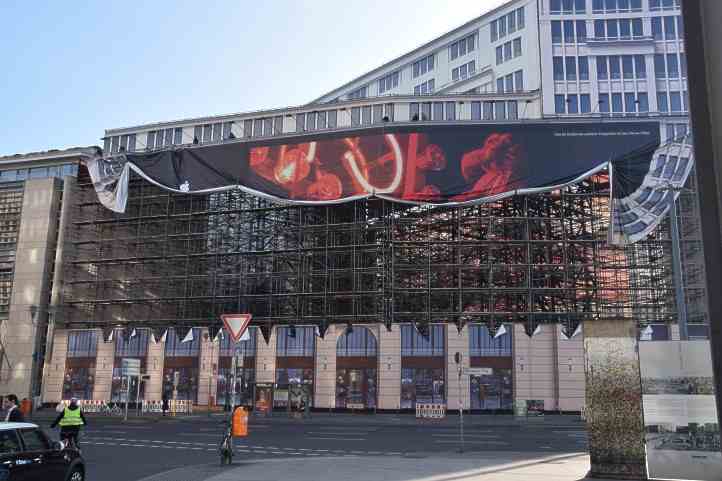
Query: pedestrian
[(166, 406), (13, 414), (70, 422)]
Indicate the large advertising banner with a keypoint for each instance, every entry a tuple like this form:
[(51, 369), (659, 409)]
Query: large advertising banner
[(680, 417), (449, 164)]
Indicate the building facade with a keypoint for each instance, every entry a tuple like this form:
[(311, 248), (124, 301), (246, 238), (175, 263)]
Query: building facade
[(182, 261)]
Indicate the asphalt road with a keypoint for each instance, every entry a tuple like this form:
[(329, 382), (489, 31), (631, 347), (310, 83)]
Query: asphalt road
[(116, 451)]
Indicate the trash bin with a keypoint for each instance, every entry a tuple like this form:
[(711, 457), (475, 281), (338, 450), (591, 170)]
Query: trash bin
[(26, 407), (239, 426)]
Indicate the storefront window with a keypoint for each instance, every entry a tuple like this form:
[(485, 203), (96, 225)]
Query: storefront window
[(356, 360), (421, 385), (79, 379), (293, 385), (246, 370), (180, 372), (134, 347), (416, 345), (492, 391)]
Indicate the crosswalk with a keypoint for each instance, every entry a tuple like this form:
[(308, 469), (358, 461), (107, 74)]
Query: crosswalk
[(255, 449)]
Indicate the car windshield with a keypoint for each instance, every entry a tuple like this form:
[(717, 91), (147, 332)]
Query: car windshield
[(9, 442)]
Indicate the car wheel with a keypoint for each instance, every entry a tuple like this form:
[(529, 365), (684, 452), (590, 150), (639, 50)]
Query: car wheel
[(76, 474)]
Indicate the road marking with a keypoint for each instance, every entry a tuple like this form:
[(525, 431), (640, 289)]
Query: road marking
[(481, 436), (338, 439), (322, 433), (452, 441)]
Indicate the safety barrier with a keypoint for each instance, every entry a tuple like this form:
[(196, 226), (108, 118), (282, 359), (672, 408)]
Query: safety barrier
[(88, 405), (583, 413), (430, 410), (152, 407)]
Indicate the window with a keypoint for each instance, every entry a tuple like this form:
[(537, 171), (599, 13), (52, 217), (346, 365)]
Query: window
[(559, 104), (438, 111), (637, 30), (463, 71), (502, 28), (420, 67), (9, 442), (555, 6), (580, 6), (672, 65), (662, 105), (558, 64), (657, 28), (248, 127), (517, 47), (426, 111), (625, 29), (612, 28), (500, 85), (604, 103), (572, 104), (207, 133), (581, 31), (556, 31), (569, 31), (466, 44), (602, 73), (414, 344), (494, 31), (519, 80), (450, 111), (295, 341), (366, 109), (500, 110), (360, 93), (614, 69), (488, 110), (583, 68), (669, 24), (643, 102), (34, 440), (475, 110), (499, 55), (675, 101), (630, 104), (389, 82), (627, 66), (640, 66), (599, 29), (571, 68), (425, 87), (520, 18), (175, 348), (680, 27), (659, 70), (682, 68), (509, 83), (507, 51), (135, 346), (512, 110), (360, 342), (482, 344), (617, 103), (511, 20), (82, 343), (585, 103)]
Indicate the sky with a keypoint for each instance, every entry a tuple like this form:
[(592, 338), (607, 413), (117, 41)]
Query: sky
[(72, 69)]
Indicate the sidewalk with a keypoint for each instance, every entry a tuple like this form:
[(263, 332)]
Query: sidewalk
[(484, 467)]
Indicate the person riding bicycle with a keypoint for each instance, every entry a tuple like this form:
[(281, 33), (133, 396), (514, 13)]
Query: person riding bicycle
[(70, 422)]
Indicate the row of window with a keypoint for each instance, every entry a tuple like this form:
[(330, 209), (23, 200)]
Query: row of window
[(618, 28), (119, 143), (463, 46), (667, 28), (310, 121), (507, 24), (58, 171), (510, 49), (420, 67), (569, 27), (617, 66), (372, 114), (263, 127), (567, 7), (620, 103), (433, 111), (389, 82), (359, 93), (571, 68), (613, 6), (671, 65), (495, 110), (674, 102), (463, 71), (664, 4), (425, 87), (514, 82)]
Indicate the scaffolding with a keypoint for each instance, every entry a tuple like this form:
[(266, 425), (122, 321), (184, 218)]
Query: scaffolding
[(179, 260)]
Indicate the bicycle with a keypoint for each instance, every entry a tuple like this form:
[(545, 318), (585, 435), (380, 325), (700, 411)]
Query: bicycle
[(226, 447), (70, 441)]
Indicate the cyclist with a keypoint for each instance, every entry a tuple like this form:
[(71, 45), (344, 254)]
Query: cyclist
[(70, 422)]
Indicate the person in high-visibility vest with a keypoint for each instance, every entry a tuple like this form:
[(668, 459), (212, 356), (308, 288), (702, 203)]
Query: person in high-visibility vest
[(70, 422)]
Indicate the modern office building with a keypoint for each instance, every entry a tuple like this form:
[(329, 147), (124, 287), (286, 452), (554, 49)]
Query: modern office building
[(394, 290)]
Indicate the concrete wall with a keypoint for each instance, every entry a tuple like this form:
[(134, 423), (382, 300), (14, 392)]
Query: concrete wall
[(534, 365), (570, 363), (154, 368), (389, 367), (325, 370), (266, 358), (104, 369), (22, 333), (457, 342), (55, 368)]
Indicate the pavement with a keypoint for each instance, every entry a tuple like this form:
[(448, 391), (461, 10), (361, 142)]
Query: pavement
[(327, 446)]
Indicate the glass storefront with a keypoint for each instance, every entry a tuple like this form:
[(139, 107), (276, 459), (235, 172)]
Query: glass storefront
[(180, 370), (246, 371), (423, 377), (356, 388), (293, 385), (295, 350), (423, 385), (356, 360), (493, 391), (135, 347), (79, 379)]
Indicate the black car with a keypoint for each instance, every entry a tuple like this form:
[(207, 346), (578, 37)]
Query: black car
[(27, 454)]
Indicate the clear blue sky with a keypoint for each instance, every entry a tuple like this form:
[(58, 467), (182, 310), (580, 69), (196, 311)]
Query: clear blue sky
[(72, 69)]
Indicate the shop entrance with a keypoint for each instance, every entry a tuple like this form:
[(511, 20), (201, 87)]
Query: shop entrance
[(356, 369)]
